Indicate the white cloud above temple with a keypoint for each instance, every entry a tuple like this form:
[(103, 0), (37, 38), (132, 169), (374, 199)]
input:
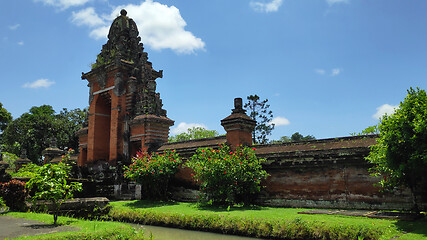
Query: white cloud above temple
[(262, 6), (160, 26), (63, 4), (383, 109), (40, 83), (183, 127)]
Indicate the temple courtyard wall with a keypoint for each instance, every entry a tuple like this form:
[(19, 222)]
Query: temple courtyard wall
[(324, 173)]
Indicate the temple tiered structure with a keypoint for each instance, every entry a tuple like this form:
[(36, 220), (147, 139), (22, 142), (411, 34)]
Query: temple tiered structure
[(125, 112)]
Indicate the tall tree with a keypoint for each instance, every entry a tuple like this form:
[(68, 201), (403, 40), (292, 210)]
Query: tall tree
[(400, 155), (259, 111), (5, 118), (67, 123), (194, 133), (34, 130), (296, 137)]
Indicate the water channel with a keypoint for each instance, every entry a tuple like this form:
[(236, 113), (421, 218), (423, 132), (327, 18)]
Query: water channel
[(166, 233)]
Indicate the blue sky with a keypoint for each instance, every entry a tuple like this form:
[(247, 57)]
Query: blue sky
[(328, 67)]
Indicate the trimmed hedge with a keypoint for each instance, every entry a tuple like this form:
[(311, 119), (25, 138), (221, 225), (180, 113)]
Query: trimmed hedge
[(284, 229)]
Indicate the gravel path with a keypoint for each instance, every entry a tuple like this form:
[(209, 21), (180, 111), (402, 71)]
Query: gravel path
[(11, 227)]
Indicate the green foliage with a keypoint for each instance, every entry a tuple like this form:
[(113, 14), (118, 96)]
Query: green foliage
[(10, 158), (153, 172), (34, 130), (50, 184), (194, 133), (28, 170), (226, 176), (67, 123), (5, 118), (2, 203), (296, 137), (372, 130), (259, 111), (14, 194), (400, 155)]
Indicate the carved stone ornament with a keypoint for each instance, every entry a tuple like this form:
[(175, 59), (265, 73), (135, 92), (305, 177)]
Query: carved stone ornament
[(119, 88), (101, 78), (90, 85)]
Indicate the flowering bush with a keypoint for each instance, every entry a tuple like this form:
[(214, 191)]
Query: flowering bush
[(66, 158), (14, 194), (153, 172), (226, 176)]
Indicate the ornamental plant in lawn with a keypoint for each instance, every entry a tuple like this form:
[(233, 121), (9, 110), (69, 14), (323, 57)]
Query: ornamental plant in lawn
[(50, 184), (153, 172), (227, 177)]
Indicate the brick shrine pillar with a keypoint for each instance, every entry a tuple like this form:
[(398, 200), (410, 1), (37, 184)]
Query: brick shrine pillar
[(238, 126), (150, 130)]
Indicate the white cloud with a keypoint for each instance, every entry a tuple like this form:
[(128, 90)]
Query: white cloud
[(280, 121), (14, 27), (332, 2), (41, 83), (383, 109), (335, 72), (21, 43), (183, 127), (320, 71), (272, 6), (86, 17), (63, 4), (99, 33), (160, 27)]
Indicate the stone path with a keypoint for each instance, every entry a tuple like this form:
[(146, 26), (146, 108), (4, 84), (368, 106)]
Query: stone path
[(11, 227)]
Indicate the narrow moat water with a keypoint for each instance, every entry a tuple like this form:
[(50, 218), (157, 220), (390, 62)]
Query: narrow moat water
[(166, 233)]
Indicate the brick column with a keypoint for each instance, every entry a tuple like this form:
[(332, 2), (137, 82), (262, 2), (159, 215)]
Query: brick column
[(151, 130), (238, 126)]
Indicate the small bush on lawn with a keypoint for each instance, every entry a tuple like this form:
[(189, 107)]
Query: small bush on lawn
[(50, 183), (14, 194), (227, 177), (153, 172)]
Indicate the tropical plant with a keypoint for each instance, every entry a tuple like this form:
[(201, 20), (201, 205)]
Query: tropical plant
[(400, 155), (153, 172), (227, 177), (50, 183), (259, 111)]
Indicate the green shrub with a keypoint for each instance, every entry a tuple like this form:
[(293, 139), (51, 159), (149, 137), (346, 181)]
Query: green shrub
[(14, 194), (50, 183), (2, 203), (227, 177), (153, 172), (28, 170)]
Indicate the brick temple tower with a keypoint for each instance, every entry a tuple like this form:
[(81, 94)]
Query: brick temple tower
[(125, 112)]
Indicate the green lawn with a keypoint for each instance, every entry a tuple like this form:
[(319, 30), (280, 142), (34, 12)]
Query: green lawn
[(388, 228), (88, 229)]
